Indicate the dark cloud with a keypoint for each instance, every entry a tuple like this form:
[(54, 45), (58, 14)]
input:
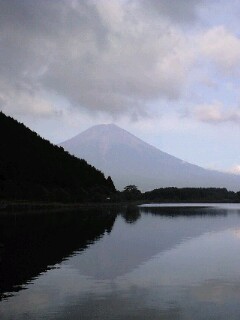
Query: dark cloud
[(180, 11), (106, 56)]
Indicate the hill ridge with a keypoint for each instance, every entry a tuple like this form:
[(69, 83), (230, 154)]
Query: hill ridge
[(33, 168)]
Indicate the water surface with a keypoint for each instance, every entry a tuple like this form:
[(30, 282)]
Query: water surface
[(150, 262)]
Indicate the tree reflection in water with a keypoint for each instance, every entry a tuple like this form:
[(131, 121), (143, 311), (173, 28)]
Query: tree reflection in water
[(34, 243)]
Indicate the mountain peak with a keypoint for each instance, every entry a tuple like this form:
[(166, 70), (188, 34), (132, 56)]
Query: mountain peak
[(108, 127), (105, 125), (104, 136), (129, 160)]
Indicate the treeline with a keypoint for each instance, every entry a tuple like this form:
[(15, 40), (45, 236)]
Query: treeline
[(172, 194), (192, 195), (31, 168)]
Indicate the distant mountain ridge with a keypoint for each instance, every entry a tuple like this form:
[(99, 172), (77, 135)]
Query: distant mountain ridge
[(129, 160), (31, 168)]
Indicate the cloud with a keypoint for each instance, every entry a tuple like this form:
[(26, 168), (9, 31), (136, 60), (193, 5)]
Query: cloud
[(223, 48), (101, 56), (235, 169), (180, 11), (108, 57), (215, 113), (23, 100)]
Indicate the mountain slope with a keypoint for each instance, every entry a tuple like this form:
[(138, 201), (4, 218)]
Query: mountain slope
[(130, 160), (33, 168)]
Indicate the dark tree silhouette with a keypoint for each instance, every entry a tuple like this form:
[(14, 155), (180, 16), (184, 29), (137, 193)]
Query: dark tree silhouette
[(32, 168), (131, 192), (192, 195)]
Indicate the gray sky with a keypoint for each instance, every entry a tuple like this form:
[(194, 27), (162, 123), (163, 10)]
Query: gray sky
[(166, 70)]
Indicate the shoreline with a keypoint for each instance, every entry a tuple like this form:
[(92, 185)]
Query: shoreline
[(20, 206), (13, 206)]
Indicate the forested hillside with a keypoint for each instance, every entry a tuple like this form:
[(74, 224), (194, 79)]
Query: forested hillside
[(192, 195), (31, 168)]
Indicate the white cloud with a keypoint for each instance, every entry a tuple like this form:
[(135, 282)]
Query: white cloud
[(222, 47), (216, 113), (20, 101), (235, 169)]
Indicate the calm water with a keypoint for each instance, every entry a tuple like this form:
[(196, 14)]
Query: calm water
[(141, 263)]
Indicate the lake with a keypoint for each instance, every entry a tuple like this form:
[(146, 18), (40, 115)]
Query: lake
[(147, 262)]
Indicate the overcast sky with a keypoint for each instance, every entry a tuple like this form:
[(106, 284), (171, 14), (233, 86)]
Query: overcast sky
[(166, 70)]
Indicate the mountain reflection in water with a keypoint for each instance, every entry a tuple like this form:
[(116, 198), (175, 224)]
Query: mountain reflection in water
[(137, 263)]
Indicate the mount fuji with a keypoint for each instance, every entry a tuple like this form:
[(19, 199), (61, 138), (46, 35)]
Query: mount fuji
[(129, 160)]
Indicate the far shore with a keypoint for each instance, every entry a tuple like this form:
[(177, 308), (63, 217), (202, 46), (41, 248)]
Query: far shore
[(24, 205), (20, 206)]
